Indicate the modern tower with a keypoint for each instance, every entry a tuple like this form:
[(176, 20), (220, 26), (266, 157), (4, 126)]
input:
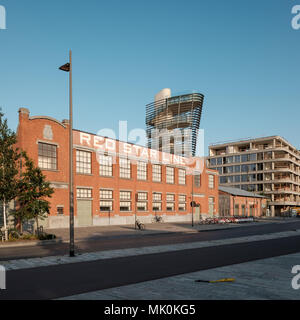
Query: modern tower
[(173, 122)]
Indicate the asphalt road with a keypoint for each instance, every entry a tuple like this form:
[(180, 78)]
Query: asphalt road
[(69, 279), (138, 240)]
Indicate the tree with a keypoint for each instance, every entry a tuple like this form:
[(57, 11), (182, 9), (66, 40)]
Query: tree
[(9, 157), (33, 189)]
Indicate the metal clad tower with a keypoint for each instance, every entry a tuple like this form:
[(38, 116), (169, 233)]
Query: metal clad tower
[(173, 122)]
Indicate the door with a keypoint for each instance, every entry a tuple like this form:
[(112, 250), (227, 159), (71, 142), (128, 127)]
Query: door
[(84, 213), (197, 213)]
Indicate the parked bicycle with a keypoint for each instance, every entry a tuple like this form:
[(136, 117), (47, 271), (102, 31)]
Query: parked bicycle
[(157, 218)]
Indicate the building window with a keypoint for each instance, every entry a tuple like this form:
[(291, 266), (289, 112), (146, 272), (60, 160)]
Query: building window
[(211, 205), (170, 175), (156, 173), (181, 176), (156, 201), (125, 168), (142, 170), (84, 193), (83, 162), (47, 156), (211, 181), (236, 209), (170, 202), (237, 159), (142, 201), (197, 180), (243, 210), (251, 210), (105, 165), (182, 202), (213, 161), (60, 211), (156, 206), (106, 200), (237, 169), (237, 178), (125, 201)]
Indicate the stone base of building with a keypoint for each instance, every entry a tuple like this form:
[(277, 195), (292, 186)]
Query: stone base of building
[(54, 222)]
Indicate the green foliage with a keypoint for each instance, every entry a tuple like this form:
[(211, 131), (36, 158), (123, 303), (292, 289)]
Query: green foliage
[(9, 157), (33, 189)]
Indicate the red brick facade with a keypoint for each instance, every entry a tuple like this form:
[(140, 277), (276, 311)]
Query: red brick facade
[(241, 205), (36, 131)]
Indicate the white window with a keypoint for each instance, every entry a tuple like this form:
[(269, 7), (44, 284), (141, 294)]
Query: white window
[(170, 206), (170, 175), (170, 202), (182, 202), (197, 180), (83, 162), (84, 193), (125, 168), (157, 196), (211, 205), (211, 181), (142, 170), (106, 200), (181, 176), (156, 201), (105, 165), (142, 201), (47, 156), (142, 206), (156, 173), (182, 206), (156, 206), (125, 205), (170, 197)]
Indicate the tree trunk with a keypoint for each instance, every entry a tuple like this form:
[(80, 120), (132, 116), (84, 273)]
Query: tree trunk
[(37, 226), (5, 221)]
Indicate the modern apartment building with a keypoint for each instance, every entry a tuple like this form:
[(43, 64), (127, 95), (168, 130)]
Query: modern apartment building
[(114, 181), (173, 122), (269, 166)]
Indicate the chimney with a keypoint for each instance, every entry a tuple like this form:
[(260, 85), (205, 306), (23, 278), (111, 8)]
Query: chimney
[(66, 122), (23, 114)]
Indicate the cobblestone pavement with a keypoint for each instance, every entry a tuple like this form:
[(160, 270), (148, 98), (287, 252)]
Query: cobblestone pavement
[(109, 254), (266, 279)]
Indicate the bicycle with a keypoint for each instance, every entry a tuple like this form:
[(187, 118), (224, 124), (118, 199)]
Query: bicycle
[(140, 225), (157, 219)]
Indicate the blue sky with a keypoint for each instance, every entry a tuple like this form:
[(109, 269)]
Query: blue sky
[(242, 55)]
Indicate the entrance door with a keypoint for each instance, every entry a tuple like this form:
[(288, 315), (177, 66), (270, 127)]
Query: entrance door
[(197, 213), (84, 213)]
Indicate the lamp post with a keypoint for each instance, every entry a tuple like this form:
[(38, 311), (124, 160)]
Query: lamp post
[(135, 209), (68, 68), (192, 200)]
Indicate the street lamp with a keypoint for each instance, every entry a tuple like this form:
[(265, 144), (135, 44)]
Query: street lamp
[(68, 68)]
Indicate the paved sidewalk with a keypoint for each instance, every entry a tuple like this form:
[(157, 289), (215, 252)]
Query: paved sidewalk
[(266, 279), (92, 233), (110, 254)]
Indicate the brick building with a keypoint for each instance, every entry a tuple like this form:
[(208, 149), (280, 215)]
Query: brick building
[(237, 202), (110, 186)]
